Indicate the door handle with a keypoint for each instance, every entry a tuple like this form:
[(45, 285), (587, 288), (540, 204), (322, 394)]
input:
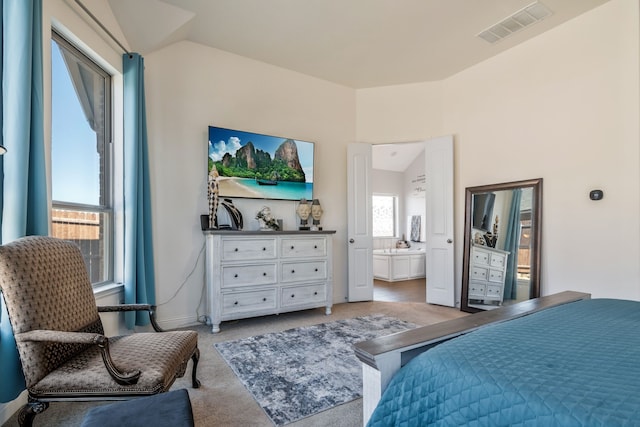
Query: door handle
[(351, 241), (449, 241)]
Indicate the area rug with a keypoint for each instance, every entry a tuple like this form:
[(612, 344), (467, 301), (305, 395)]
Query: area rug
[(299, 372)]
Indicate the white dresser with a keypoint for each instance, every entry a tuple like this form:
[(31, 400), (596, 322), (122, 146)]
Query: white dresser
[(256, 273), (487, 274)]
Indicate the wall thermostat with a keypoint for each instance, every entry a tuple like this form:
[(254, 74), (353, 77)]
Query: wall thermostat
[(596, 195)]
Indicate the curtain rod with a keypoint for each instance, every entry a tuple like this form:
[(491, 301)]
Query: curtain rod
[(92, 16)]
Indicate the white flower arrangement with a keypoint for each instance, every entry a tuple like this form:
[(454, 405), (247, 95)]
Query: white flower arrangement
[(265, 217)]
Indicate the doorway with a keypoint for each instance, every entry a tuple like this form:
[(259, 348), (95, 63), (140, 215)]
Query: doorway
[(438, 222), (398, 221)]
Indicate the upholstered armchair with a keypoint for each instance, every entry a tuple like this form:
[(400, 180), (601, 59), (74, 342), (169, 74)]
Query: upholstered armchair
[(60, 338)]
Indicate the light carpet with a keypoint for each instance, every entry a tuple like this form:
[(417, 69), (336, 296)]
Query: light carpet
[(302, 371)]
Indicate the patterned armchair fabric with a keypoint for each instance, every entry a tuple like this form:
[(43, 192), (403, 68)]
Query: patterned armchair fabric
[(60, 338)]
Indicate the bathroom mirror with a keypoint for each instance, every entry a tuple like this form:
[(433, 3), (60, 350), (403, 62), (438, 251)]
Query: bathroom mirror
[(502, 240)]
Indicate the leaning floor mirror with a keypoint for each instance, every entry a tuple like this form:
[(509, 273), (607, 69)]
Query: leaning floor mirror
[(501, 262)]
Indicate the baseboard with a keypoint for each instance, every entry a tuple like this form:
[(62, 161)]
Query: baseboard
[(8, 409), (178, 322)]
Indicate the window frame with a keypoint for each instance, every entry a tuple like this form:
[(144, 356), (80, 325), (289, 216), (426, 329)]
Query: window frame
[(106, 203), (396, 214)]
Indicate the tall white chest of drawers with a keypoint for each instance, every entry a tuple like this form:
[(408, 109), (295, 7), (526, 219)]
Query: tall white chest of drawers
[(487, 273), (256, 273)]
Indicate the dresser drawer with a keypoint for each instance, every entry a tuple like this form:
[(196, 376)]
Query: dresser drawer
[(303, 248), (494, 291), (480, 257), (248, 249), (498, 260), (247, 275), (478, 273), (298, 295), (239, 302), (496, 276), (304, 271), (477, 290)]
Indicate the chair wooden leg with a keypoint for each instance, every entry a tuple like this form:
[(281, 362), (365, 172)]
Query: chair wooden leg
[(195, 357), (29, 412)]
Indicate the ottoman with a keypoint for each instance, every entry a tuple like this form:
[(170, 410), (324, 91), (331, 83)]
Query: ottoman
[(171, 409)]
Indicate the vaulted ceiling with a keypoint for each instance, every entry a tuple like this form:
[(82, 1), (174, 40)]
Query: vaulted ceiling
[(356, 43)]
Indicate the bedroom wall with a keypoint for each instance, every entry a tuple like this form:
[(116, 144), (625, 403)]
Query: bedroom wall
[(563, 106), (190, 86)]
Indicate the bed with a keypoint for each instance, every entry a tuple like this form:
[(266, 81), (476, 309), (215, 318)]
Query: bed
[(570, 363)]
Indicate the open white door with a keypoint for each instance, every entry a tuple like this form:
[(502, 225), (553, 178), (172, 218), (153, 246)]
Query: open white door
[(359, 229), (439, 221)]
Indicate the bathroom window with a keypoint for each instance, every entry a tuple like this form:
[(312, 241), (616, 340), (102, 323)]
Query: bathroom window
[(385, 215)]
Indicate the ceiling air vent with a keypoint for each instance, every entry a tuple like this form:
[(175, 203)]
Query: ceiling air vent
[(531, 14)]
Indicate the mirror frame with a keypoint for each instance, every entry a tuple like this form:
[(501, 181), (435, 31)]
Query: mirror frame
[(536, 225)]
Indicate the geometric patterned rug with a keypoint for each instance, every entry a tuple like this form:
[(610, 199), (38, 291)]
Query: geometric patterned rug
[(299, 372)]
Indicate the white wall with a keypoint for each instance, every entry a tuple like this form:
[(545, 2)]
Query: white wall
[(563, 106), (189, 87)]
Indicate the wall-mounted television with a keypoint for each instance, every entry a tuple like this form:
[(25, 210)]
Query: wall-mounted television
[(483, 211), (258, 166)]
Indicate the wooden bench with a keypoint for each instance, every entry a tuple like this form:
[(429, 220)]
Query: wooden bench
[(382, 357)]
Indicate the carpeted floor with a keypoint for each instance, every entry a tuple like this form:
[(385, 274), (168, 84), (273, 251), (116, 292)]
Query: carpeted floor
[(224, 401)]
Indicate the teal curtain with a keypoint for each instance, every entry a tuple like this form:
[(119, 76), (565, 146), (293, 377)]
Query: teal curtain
[(512, 241), (23, 189), (139, 278)]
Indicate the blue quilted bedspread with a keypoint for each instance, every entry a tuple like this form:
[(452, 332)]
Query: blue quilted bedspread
[(574, 365)]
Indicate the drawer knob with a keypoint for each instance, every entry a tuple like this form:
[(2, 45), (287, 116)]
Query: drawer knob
[(235, 250), (315, 293), (293, 295), (293, 271), (264, 249), (264, 274), (264, 299), (316, 269), (235, 275), (235, 303), (315, 246)]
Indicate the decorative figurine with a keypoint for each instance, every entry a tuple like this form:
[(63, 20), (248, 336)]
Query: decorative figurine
[(303, 210), (492, 238), (316, 214), (212, 196)]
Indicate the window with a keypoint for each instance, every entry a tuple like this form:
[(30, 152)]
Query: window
[(81, 153), (524, 248), (385, 213)]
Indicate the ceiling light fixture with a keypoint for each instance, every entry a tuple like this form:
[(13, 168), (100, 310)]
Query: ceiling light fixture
[(535, 12)]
